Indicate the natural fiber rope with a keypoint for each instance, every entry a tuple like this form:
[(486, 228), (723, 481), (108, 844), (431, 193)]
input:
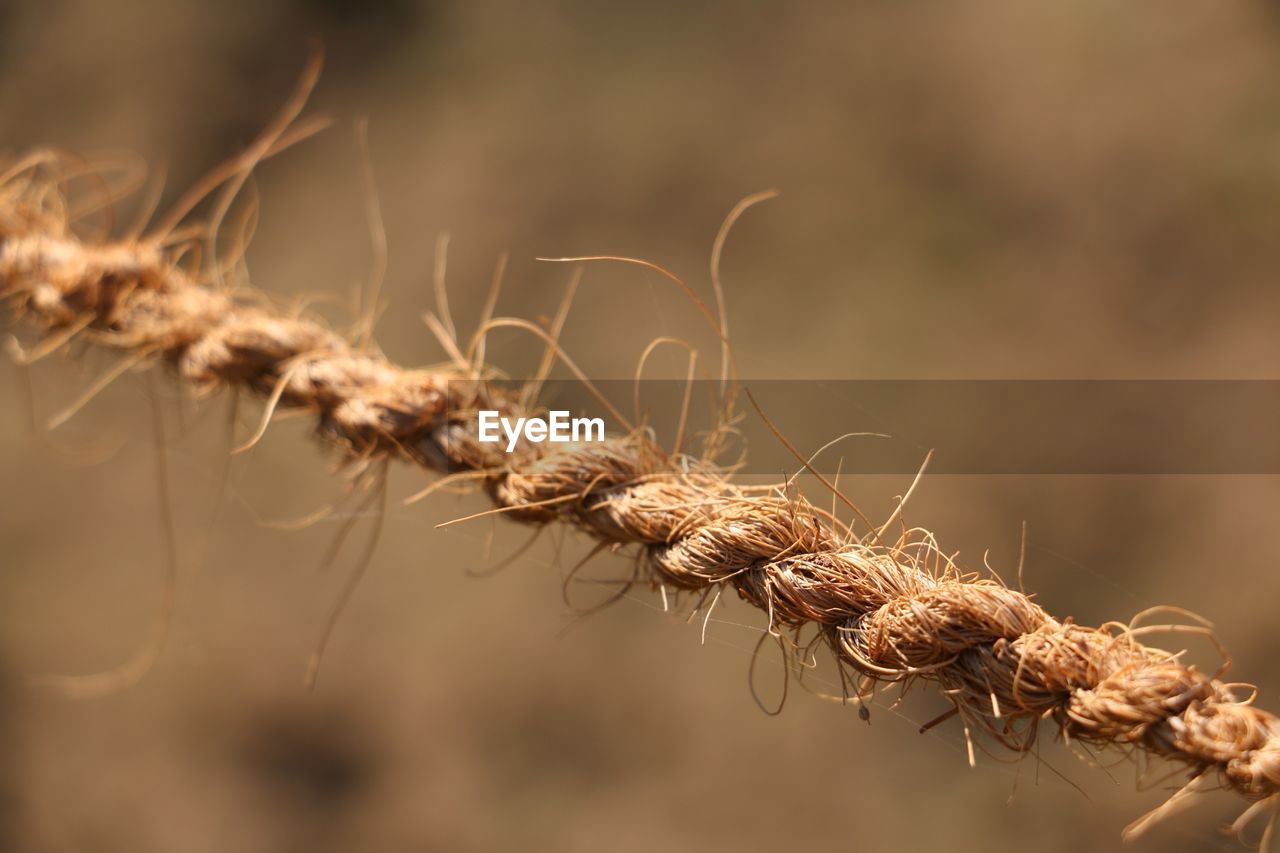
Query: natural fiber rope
[(889, 611)]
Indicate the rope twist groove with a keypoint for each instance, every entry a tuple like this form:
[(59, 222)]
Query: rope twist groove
[(889, 612)]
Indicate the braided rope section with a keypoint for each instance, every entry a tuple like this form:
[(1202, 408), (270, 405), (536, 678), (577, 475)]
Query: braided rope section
[(889, 611)]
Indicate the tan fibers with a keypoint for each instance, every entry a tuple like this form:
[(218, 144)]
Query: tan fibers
[(889, 610)]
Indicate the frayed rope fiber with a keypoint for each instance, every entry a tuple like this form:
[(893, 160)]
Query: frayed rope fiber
[(889, 611)]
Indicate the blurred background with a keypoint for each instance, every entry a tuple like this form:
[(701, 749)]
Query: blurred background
[(995, 190)]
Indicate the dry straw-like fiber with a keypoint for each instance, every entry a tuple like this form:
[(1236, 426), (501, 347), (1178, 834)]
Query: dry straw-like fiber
[(891, 609)]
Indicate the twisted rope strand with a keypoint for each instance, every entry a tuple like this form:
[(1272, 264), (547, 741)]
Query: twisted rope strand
[(890, 612)]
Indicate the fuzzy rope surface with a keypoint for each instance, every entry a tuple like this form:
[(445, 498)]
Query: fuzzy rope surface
[(890, 611)]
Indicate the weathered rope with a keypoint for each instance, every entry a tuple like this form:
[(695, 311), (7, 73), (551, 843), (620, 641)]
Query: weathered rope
[(890, 611)]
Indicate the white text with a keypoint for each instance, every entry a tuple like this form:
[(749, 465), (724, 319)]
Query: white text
[(557, 427)]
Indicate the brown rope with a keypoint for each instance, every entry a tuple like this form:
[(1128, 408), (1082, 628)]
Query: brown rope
[(890, 611)]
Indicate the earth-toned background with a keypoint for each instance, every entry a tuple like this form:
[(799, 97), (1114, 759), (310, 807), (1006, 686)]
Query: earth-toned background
[(996, 190)]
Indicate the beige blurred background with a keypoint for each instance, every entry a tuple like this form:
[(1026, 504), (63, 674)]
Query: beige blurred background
[(984, 190)]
